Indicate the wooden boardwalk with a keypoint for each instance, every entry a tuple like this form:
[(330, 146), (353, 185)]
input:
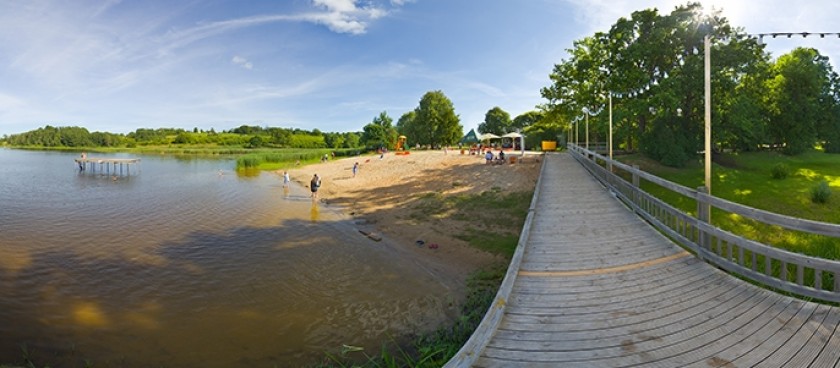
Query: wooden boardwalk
[(596, 286)]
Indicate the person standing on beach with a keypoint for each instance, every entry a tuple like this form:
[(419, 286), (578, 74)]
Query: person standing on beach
[(355, 169), (286, 179), (314, 184)]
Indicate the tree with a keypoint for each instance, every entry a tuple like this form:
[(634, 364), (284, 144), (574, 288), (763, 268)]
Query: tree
[(436, 120), (255, 142), (496, 121), (279, 136), (800, 83), (408, 126), (829, 124), (652, 64), (380, 133), (527, 119), (352, 140), (334, 140), (541, 126)]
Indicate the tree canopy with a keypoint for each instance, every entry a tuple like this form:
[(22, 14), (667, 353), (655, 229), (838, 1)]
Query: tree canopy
[(380, 133), (243, 136), (496, 121), (433, 122), (652, 65)]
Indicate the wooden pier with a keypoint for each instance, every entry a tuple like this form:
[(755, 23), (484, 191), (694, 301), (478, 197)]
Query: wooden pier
[(108, 166)]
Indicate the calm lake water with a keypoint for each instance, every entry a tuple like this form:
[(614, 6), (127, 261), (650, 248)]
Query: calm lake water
[(178, 265)]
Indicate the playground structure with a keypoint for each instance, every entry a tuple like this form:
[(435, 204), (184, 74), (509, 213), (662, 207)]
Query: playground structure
[(400, 148)]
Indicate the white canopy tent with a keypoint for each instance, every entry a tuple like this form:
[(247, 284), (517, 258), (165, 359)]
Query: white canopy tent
[(514, 135), (488, 136)]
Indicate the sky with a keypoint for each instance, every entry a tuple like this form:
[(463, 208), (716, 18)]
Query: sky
[(332, 65)]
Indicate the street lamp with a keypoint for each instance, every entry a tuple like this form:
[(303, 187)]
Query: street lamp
[(587, 128), (708, 129), (611, 137), (588, 112)]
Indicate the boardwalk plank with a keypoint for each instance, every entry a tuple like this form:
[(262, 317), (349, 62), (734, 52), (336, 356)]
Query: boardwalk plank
[(822, 333)]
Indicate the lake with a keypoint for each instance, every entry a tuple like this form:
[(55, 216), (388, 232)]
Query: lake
[(185, 263)]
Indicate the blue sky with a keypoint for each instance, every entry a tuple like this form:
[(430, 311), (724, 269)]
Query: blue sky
[(116, 66)]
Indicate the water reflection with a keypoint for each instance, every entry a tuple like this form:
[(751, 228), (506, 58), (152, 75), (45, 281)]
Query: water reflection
[(313, 212)]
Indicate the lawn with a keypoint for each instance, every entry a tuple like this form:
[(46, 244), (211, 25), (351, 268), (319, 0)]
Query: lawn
[(746, 178)]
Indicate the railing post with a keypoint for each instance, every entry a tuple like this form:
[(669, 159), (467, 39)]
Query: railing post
[(704, 215), (636, 196)]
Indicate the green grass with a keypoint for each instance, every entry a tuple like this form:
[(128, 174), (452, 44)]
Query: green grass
[(748, 179), (275, 159), (493, 218)]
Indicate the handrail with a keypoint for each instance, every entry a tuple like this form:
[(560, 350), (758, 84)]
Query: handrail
[(766, 265)]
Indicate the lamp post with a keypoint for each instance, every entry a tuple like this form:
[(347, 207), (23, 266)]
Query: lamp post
[(611, 137), (708, 97), (587, 129)]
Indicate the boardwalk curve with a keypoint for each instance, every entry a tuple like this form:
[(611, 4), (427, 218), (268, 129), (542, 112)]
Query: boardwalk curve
[(593, 285)]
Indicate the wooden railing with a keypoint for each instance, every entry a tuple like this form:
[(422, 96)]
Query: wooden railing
[(766, 265)]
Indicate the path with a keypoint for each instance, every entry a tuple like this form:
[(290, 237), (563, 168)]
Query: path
[(599, 287)]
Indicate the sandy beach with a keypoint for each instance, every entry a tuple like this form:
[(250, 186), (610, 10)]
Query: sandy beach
[(381, 195)]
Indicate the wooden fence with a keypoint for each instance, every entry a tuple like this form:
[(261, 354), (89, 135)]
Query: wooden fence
[(766, 265)]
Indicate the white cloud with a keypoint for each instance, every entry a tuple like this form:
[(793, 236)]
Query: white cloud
[(243, 62), (344, 16)]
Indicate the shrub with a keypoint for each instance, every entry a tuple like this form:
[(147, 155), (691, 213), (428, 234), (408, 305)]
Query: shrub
[(820, 192), (780, 171), (248, 162)]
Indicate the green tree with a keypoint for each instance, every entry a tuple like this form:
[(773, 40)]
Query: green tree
[(496, 121), (800, 82), (652, 64), (380, 133), (279, 136), (334, 140), (541, 126), (352, 140), (374, 136), (255, 142), (408, 126), (829, 124), (437, 123), (527, 119)]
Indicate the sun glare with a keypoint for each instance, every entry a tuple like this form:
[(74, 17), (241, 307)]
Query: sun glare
[(728, 9)]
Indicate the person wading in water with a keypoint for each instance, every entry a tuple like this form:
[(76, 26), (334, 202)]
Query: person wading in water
[(314, 185)]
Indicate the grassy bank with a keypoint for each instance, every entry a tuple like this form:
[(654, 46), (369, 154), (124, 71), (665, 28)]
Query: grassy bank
[(748, 179), (491, 220)]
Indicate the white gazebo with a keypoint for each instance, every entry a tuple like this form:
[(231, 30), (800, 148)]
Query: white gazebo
[(514, 135)]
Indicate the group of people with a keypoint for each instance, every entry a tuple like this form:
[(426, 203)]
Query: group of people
[(498, 159), (314, 184)]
